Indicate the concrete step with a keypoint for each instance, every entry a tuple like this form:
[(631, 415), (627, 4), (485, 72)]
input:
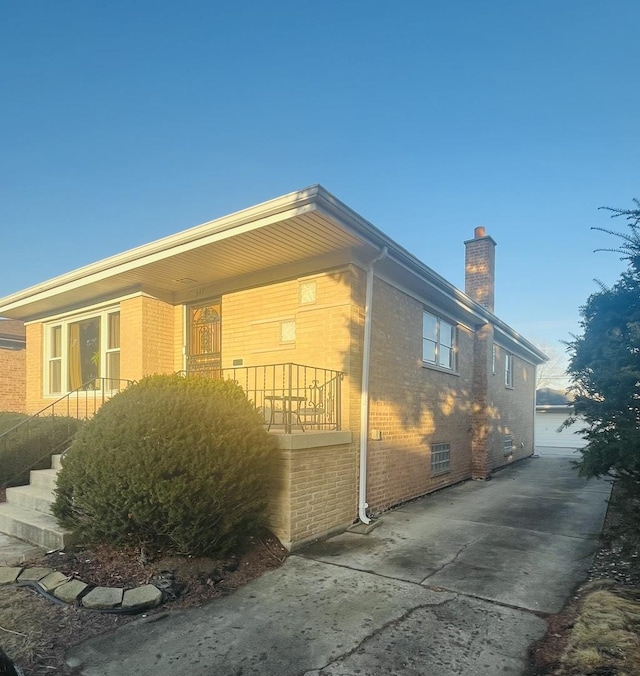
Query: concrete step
[(31, 497), (35, 527), (56, 461), (43, 478)]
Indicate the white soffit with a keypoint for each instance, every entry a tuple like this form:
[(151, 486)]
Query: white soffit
[(294, 235)]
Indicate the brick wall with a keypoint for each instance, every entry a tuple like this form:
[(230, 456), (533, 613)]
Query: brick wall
[(413, 406), (326, 330), (480, 421), (13, 380), (35, 375), (315, 492), (511, 410), (147, 337), (480, 257)]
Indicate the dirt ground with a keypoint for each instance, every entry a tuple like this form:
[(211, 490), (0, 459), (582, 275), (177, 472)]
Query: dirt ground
[(36, 633)]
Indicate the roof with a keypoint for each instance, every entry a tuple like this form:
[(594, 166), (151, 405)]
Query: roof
[(12, 334), (275, 239)]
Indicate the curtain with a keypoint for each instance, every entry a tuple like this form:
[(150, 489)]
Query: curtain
[(75, 366)]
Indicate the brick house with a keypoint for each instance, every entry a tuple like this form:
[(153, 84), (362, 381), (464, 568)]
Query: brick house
[(12, 366), (382, 381)]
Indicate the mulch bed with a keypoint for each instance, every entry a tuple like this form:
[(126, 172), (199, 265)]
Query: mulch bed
[(37, 633)]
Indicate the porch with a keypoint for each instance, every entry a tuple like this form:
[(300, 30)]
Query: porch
[(291, 398)]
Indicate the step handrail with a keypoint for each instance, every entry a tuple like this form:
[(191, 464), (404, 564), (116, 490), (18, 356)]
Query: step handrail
[(96, 392)]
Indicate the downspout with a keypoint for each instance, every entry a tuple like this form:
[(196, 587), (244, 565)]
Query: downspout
[(364, 390)]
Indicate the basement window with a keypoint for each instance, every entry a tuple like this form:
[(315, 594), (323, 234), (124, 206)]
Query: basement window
[(440, 459)]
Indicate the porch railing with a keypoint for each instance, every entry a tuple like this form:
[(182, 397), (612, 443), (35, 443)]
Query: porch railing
[(290, 397), (28, 444)]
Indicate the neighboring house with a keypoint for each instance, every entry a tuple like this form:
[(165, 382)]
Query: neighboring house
[(552, 410), (382, 381), (12, 366)]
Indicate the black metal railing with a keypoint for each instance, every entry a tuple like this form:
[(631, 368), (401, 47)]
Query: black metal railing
[(30, 443), (290, 397)]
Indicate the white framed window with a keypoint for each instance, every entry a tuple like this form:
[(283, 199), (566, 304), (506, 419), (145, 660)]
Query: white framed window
[(508, 370), (493, 360), (507, 445), (438, 341), (83, 352), (440, 458)]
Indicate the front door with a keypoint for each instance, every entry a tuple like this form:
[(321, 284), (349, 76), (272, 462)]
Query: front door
[(203, 339)]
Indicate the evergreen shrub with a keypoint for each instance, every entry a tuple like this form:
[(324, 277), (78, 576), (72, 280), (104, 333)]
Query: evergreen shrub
[(31, 445), (171, 463)]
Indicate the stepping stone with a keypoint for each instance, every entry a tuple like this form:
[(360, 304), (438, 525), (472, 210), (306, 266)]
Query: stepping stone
[(147, 596), (9, 574), (53, 580), (69, 591), (34, 574), (102, 598)]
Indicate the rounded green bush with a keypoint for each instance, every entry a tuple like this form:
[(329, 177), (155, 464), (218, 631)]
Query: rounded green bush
[(177, 464)]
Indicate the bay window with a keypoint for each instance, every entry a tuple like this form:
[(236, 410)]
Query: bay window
[(83, 353)]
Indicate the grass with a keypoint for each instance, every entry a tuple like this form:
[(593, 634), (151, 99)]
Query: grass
[(606, 633), (22, 630)]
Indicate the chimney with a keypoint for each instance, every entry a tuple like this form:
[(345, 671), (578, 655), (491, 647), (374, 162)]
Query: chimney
[(479, 268)]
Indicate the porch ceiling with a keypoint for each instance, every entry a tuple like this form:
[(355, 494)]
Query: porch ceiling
[(230, 253)]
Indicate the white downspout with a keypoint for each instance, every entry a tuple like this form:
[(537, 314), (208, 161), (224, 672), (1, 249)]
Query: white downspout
[(364, 391)]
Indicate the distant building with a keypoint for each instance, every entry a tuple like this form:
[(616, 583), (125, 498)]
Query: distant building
[(13, 388)]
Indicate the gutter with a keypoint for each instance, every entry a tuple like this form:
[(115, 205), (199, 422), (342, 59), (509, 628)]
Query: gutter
[(364, 390)]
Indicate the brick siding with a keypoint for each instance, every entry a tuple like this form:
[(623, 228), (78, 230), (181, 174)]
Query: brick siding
[(13, 380), (512, 410), (413, 406)]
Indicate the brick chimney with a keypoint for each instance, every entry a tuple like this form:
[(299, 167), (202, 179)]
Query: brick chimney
[(479, 268)]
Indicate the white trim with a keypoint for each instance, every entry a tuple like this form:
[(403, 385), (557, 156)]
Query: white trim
[(64, 324), (88, 309), (234, 224)]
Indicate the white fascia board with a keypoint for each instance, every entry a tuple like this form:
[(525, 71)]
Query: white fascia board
[(507, 338), (240, 222), (362, 228)]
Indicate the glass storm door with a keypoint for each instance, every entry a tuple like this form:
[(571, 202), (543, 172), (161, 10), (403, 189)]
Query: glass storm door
[(203, 342)]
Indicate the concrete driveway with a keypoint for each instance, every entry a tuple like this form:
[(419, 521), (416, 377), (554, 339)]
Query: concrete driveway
[(453, 583)]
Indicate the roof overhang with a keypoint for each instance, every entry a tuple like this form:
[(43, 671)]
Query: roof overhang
[(284, 237)]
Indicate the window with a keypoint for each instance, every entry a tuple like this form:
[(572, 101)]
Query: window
[(438, 341), (493, 360), (508, 370), (288, 331), (507, 445), (82, 351), (308, 292), (440, 458), (55, 359)]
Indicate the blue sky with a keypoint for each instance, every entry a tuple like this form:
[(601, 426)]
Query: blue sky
[(123, 122)]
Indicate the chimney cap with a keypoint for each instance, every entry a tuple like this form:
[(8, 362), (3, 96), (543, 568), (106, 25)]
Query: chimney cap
[(479, 232)]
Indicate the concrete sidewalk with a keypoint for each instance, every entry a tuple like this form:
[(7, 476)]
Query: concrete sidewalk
[(454, 583)]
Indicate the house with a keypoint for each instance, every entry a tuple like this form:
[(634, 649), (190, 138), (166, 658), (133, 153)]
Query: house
[(382, 380), (12, 366), (552, 437)]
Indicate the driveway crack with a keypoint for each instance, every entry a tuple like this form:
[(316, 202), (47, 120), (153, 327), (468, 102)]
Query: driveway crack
[(452, 560), (387, 625)]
